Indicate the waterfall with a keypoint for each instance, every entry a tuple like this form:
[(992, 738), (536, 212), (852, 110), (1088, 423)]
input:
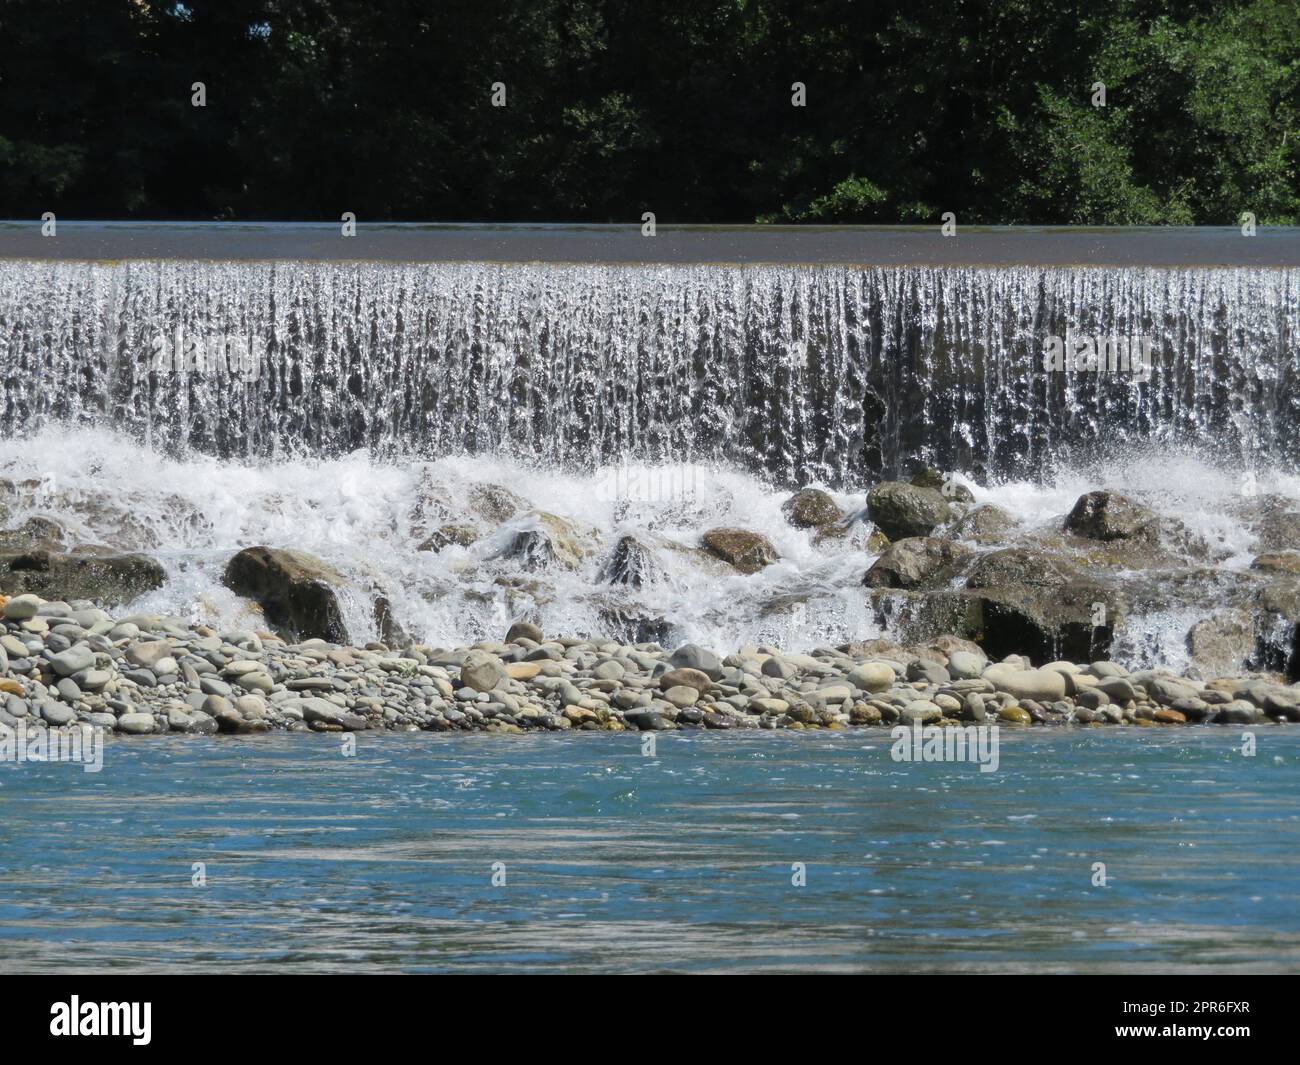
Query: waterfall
[(834, 374), (188, 408)]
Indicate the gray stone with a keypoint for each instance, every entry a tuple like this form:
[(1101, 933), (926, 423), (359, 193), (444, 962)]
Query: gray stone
[(901, 510), (525, 630), (965, 665), (692, 656), (482, 671), (73, 660), (58, 715), (1109, 516), (1041, 685), (873, 677), (68, 690), (22, 607)]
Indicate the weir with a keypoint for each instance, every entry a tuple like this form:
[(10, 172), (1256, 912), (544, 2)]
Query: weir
[(834, 373)]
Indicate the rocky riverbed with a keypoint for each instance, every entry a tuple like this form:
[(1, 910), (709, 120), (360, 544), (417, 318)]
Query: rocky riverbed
[(64, 664), (1186, 568)]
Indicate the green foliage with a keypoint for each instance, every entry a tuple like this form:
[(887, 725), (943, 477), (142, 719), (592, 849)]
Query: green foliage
[(614, 107)]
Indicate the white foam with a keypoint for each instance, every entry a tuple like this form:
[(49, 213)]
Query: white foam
[(353, 512)]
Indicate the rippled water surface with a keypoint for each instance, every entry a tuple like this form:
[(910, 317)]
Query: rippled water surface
[(615, 860)]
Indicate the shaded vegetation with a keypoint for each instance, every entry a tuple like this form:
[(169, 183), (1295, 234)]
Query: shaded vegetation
[(614, 107)]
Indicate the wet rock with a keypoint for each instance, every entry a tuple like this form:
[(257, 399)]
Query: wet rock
[(1015, 600), (948, 487), (811, 508), (1222, 644), (391, 632), (1110, 516), (902, 510), (985, 524), (547, 541), (877, 542), (747, 551), (295, 590), (34, 534), (323, 712), (1278, 562), (647, 720), (634, 625), (1240, 712), (1021, 566), (631, 564), (109, 578), (917, 562), (430, 508), (448, 534), (1274, 521), (525, 630), (493, 503)]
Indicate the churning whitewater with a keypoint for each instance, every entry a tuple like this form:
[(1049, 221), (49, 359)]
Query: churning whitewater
[(370, 520)]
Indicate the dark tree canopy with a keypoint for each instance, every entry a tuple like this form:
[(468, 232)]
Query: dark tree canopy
[(384, 108)]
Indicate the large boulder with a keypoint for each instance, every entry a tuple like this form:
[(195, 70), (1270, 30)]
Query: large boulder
[(112, 579), (986, 524), (917, 562), (482, 671), (902, 510), (296, 591), (1020, 566), (747, 551), (1041, 685), (948, 487), (811, 508), (693, 656), (1074, 619), (1110, 516)]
